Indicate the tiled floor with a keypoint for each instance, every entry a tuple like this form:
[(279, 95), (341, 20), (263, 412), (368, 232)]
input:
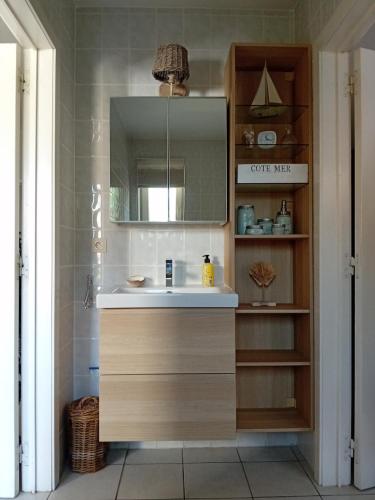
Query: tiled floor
[(199, 474)]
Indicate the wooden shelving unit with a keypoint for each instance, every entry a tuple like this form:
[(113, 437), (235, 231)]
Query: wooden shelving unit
[(274, 345)]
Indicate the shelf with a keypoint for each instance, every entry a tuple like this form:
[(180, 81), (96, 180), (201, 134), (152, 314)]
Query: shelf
[(245, 237), (290, 114), (279, 309), (277, 152), (271, 420), (267, 188), (270, 357)]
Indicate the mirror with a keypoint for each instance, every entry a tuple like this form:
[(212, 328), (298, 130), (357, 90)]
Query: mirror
[(168, 160)]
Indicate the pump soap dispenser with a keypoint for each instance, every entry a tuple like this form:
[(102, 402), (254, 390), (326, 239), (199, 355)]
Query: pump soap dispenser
[(208, 272)]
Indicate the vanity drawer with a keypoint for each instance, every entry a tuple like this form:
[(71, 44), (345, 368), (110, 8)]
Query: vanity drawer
[(167, 407), (157, 341)]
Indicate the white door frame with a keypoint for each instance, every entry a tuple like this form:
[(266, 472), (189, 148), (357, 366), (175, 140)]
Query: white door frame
[(38, 158), (332, 162), (10, 134)]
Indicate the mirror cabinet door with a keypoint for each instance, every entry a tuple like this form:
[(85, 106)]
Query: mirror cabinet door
[(198, 159), (139, 159), (168, 159)]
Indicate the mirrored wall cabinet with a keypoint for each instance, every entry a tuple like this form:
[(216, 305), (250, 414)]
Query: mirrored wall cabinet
[(168, 160)]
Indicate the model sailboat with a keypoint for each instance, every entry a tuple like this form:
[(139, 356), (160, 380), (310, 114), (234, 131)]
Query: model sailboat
[(267, 102)]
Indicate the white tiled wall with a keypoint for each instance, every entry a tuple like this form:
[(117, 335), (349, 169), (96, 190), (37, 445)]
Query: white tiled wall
[(311, 16), (58, 18), (115, 50)]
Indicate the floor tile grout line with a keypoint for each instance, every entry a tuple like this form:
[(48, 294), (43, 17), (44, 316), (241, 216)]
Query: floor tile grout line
[(183, 473), (295, 454), (246, 478), (122, 472), (310, 479)]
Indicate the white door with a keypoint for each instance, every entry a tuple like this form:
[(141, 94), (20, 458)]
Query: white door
[(10, 57), (364, 332)]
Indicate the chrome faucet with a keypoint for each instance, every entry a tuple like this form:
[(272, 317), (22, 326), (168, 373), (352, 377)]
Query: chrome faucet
[(168, 272)]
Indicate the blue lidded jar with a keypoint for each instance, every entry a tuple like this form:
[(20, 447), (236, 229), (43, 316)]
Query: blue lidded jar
[(245, 217), (266, 224), (254, 229)]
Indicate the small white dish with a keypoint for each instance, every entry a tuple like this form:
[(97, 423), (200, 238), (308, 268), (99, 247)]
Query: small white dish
[(136, 281)]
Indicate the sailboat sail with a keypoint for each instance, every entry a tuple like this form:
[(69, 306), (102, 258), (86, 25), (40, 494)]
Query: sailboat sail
[(261, 95), (267, 101)]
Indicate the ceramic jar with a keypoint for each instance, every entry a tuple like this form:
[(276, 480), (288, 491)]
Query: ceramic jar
[(245, 217), (278, 229), (266, 224), (254, 229)]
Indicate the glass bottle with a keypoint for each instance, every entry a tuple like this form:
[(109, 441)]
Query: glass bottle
[(289, 138), (284, 217)]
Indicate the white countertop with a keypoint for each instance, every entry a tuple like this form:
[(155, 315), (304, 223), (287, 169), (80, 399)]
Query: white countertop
[(159, 297)]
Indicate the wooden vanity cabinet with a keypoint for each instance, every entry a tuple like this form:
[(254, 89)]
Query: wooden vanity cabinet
[(167, 374)]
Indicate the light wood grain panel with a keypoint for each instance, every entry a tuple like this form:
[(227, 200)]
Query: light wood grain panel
[(229, 230), (271, 420), (280, 255), (264, 332), (167, 407), (269, 387), (145, 341), (264, 393)]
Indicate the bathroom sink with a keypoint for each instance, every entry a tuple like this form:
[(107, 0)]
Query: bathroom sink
[(189, 296)]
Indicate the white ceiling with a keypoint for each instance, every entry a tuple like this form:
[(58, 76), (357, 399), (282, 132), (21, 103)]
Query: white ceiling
[(368, 41), (5, 35), (212, 4)]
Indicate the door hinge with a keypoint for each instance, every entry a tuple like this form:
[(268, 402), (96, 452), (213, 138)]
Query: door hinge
[(20, 267), (24, 82), (351, 85), (353, 265), (351, 448), (23, 453)]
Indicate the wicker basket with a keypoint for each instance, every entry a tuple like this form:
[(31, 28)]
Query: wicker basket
[(86, 453)]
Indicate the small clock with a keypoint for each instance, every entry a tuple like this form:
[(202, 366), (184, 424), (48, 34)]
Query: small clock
[(267, 139)]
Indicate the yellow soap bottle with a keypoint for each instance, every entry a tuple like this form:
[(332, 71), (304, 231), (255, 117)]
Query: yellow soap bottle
[(208, 272)]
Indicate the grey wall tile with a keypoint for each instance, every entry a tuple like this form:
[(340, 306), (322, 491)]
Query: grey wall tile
[(115, 66), (88, 31), (92, 174), (115, 29), (197, 30), (249, 28), (169, 26), (88, 102), (223, 31), (142, 29), (88, 66), (141, 63)]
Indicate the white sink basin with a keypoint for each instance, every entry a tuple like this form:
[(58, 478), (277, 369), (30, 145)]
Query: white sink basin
[(189, 296)]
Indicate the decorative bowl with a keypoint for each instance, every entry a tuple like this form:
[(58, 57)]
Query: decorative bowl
[(136, 281)]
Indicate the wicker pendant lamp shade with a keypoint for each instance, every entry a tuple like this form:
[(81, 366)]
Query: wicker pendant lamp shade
[(171, 67)]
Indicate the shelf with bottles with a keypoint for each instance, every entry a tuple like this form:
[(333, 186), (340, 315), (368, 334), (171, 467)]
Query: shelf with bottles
[(269, 205)]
